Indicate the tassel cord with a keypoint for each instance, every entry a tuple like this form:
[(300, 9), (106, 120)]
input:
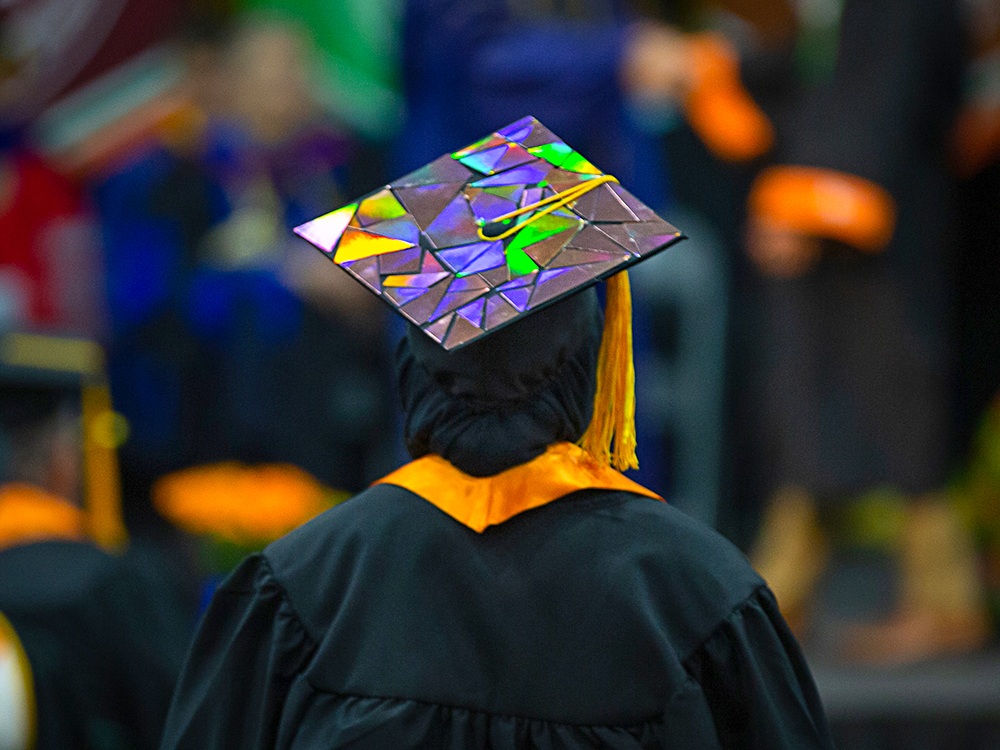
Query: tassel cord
[(557, 201)]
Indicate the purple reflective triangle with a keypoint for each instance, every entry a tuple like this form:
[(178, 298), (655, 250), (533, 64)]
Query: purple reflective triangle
[(443, 169), (488, 207), (650, 235), (457, 258), (462, 332), (401, 261), (439, 328), (567, 280), (515, 155), (473, 312), (517, 131), (496, 276), (535, 194), (620, 235), (571, 256), (601, 204), (518, 297), (401, 294), (518, 136), (498, 311), (640, 209), (561, 179), (431, 265), (545, 250), (521, 281), (529, 174), (404, 228), (539, 136), (531, 195), (420, 309), (471, 283), (592, 238), (425, 202), (455, 225), (546, 276), (484, 161), (493, 257), (453, 301), (366, 270), (510, 192)]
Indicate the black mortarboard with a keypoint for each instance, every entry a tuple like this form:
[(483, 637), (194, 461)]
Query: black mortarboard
[(38, 374)]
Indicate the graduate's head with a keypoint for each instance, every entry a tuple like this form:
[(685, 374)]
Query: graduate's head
[(41, 436), (504, 398), (491, 254), (56, 425)]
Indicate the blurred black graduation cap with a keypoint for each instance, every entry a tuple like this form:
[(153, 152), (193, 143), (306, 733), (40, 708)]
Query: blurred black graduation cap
[(39, 375)]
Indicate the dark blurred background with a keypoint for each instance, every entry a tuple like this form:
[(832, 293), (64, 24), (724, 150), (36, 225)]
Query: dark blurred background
[(818, 366)]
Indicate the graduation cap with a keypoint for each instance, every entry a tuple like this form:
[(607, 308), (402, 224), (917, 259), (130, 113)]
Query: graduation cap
[(38, 374), (480, 238)]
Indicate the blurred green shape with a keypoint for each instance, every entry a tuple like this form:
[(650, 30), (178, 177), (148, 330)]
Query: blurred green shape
[(356, 76)]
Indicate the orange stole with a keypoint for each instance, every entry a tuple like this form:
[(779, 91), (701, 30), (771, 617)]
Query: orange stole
[(29, 514), (479, 502)]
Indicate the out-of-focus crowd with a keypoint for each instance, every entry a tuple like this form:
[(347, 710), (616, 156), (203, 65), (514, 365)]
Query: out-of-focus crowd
[(816, 365)]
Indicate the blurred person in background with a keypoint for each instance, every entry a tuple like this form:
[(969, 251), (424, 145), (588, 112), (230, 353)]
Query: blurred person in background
[(102, 643), (471, 67), (51, 272), (587, 67), (50, 262), (227, 346), (975, 155), (975, 151), (852, 229), (280, 162)]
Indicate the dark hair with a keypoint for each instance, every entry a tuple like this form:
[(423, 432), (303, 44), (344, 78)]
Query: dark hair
[(502, 400)]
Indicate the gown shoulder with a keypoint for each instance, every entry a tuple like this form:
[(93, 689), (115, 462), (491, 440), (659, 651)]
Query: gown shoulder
[(601, 620)]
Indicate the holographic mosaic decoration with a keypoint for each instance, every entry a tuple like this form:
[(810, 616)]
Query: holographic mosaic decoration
[(428, 243)]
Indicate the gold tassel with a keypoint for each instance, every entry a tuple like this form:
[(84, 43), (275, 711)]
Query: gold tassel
[(614, 399), (101, 478)]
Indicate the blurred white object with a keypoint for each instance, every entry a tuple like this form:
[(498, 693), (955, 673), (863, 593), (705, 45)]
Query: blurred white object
[(16, 692), (49, 42), (15, 293)]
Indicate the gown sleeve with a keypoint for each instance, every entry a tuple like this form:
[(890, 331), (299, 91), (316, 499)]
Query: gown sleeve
[(756, 682), (249, 648)]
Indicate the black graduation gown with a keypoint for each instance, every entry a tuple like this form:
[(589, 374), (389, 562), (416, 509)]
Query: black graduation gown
[(856, 342), (104, 648), (601, 619)]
